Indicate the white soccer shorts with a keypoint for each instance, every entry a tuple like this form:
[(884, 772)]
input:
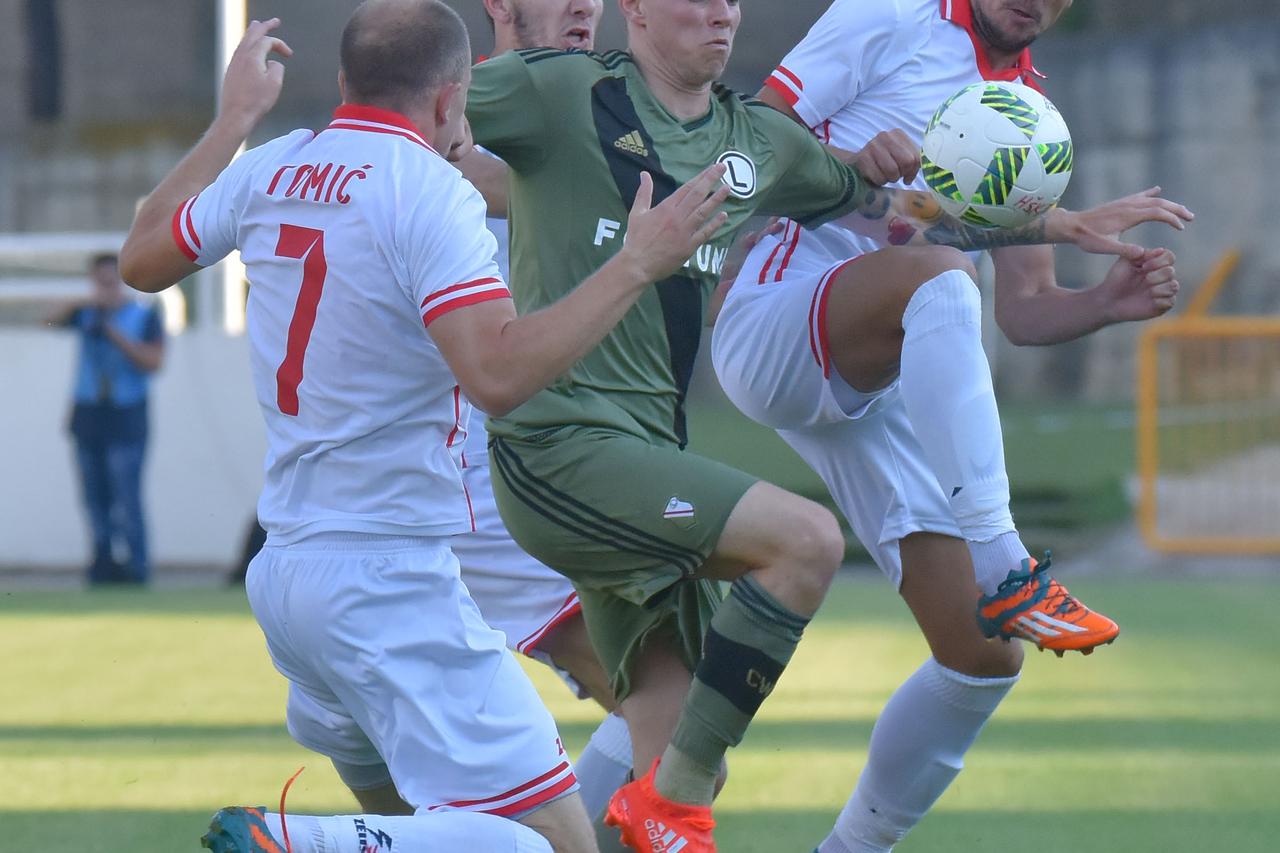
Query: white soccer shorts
[(516, 594), (772, 357), (389, 660)]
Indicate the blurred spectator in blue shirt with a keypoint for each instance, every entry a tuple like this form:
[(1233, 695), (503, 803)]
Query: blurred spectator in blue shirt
[(121, 345)]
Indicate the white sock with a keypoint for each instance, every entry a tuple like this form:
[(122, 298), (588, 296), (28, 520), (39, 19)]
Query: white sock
[(946, 388), (437, 831), (995, 558), (917, 748), (603, 766)]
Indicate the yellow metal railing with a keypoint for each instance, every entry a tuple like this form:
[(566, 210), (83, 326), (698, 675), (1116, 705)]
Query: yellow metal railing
[(1208, 419), (1213, 283)]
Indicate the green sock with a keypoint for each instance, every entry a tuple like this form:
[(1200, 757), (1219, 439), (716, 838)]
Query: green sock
[(749, 642)]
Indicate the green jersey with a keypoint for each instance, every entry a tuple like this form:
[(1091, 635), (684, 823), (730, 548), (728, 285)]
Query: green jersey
[(577, 129)]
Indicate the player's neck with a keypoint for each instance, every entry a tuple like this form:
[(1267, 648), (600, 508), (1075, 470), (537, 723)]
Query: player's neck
[(684, 100), (504, 41), (423, 119), (999, 60)]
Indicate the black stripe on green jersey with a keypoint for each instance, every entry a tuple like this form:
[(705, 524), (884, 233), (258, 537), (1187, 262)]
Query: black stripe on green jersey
[(609, 61), (573, 515), (679, 295), (533, 54)]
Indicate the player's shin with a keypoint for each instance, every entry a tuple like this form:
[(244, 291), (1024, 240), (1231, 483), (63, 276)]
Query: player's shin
[(749, 643), (917, 748)]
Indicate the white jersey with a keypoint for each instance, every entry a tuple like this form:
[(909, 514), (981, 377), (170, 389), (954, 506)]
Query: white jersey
[(868, 66), (355, 240)]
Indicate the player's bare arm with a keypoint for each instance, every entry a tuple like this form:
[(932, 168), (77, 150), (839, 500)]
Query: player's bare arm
[(501, 360), (488, 175), (1033, 310), (149, 259), (914, 218)]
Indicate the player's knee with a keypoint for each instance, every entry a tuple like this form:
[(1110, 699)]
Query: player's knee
[(986, 659), (937, 260), (816, 547), (564, 824)]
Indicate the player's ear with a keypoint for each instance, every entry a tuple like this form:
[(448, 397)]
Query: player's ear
[(447, 99), (632, 11), (342, 86), (498, 10)]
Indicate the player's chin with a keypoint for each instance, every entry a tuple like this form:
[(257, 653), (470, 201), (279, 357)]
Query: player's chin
[(714, 65)]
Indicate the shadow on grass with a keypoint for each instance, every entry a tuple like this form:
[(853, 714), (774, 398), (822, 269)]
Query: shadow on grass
[(760, 831), (1097, 734)]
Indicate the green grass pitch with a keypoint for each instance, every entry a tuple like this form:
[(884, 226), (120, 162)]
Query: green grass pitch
[(128, 717)]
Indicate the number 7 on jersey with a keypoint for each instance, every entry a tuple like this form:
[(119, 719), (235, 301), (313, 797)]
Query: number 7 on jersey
[(306, 244)]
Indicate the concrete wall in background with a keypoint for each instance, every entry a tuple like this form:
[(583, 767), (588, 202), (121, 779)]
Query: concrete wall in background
[(1197, 113), (203, 469)]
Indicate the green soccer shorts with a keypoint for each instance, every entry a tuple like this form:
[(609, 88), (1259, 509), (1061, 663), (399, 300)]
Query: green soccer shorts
[(629, 522)]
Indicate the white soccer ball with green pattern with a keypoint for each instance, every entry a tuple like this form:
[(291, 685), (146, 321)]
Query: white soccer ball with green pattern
[(997, 154)]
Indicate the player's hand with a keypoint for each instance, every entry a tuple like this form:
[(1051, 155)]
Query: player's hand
[(1098, 229), (660, 239), (1140, 289), (889, 156), (252, 83)]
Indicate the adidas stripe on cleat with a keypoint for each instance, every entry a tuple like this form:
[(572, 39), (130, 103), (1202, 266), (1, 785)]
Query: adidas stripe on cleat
[(650, 823), (1030, 605), (663, 839)]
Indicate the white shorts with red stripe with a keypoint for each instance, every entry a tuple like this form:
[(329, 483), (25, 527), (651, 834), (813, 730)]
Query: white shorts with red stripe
[(389, 658), (772, 357), (771, 352), (519, 596)]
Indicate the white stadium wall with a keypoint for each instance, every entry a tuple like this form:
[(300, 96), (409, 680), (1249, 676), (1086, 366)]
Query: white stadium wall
[(204, 466)]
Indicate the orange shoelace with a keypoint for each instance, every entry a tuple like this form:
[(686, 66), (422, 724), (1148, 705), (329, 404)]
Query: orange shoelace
[(284, 827)]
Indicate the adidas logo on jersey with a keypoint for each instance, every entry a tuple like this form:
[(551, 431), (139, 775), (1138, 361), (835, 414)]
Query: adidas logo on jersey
[(632, 143), (663, 840)]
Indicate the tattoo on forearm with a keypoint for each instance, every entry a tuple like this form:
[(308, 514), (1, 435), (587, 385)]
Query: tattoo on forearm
[(953, 232), (913, 212), (875, 204)]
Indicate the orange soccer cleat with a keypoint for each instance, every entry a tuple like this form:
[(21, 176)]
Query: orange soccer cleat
[(650, 823), (1032, 606)]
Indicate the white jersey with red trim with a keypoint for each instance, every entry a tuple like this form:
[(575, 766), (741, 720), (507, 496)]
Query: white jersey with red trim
[(354, 241), (865, 67)]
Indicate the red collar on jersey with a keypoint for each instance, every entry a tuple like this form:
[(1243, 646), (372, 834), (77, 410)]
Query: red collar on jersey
[(376, 120), (960, 13)]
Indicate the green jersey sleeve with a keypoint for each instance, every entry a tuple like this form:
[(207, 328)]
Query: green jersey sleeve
[(504, 108), (814, 187)]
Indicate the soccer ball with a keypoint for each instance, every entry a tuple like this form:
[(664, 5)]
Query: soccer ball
[(997, 155)]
